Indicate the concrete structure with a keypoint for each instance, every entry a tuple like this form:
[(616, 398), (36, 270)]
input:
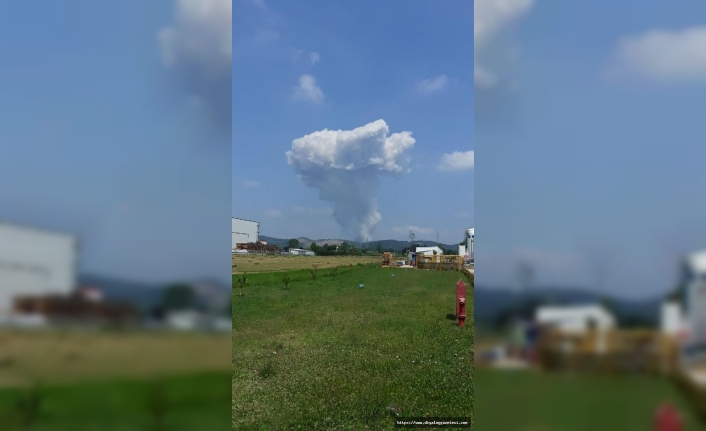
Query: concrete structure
[(35, 262), (187, 320), (429, 251), (244, 231), (470, 239), (301, 252), (692, 285), (671, 320), (576, 318), (462, 250), (192, 320)]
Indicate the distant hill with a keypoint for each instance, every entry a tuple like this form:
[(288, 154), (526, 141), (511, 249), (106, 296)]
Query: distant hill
[(491, 303), (145, 297), (388, 244)]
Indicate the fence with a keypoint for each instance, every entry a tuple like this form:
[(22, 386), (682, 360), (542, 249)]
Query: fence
[(440, 262), (613, 352)]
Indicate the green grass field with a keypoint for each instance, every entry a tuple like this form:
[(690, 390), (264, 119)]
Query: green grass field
[(526, 401), (106, 380), (190, 402), (331, 356)]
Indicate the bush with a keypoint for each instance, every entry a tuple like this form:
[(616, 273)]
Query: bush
[(313, 273), (28, 406), (242, 282)]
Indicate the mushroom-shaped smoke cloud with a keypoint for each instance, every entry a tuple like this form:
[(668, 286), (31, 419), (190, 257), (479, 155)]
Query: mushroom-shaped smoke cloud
[(346, 165)]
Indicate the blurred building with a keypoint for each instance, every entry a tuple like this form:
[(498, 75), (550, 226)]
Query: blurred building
[(692, 299), (244, 232), (193, 320), (470, 239), (671, 319), (81, 307), (259, 247), (576, 318), (301, 252), (429, 251), (35, 262)]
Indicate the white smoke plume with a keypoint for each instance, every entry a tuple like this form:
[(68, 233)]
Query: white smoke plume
[(198, 47), (345, 167)]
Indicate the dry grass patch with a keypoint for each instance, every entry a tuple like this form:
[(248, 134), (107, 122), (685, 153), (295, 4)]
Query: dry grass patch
[(54, 357), (272, 263)]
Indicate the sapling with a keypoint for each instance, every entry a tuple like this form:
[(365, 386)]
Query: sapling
[(242, 282)]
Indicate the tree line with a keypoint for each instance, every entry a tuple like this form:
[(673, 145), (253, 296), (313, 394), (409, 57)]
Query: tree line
[(347, 249)]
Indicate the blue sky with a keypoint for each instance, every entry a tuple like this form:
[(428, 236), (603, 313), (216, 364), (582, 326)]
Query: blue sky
[(371, 62), (101, 137), (591, 141)]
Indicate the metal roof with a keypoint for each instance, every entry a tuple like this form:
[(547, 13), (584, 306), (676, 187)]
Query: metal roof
[(40, 230), (242, 219)]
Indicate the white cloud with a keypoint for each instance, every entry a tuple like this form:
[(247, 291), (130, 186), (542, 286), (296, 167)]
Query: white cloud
[(364, 148), (314, 57), (274, 213), (345, 165), (490, 17), (432, 85), (197, 50), (456, 161), (661, 56), (418, 231), (250, 184), (308, 90), (200, 35)]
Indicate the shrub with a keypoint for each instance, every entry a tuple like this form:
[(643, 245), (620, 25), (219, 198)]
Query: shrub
[(242, 282), (28, 406)]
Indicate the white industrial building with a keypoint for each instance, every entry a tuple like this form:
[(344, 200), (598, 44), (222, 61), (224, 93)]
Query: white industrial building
[(671, 320), (692, 305), (576, 318), (35, 262), (244, 231), (429, 251), (301, 252)]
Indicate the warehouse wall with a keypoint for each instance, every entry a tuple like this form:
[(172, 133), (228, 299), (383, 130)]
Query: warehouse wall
[(244, 231), (35, 262)]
